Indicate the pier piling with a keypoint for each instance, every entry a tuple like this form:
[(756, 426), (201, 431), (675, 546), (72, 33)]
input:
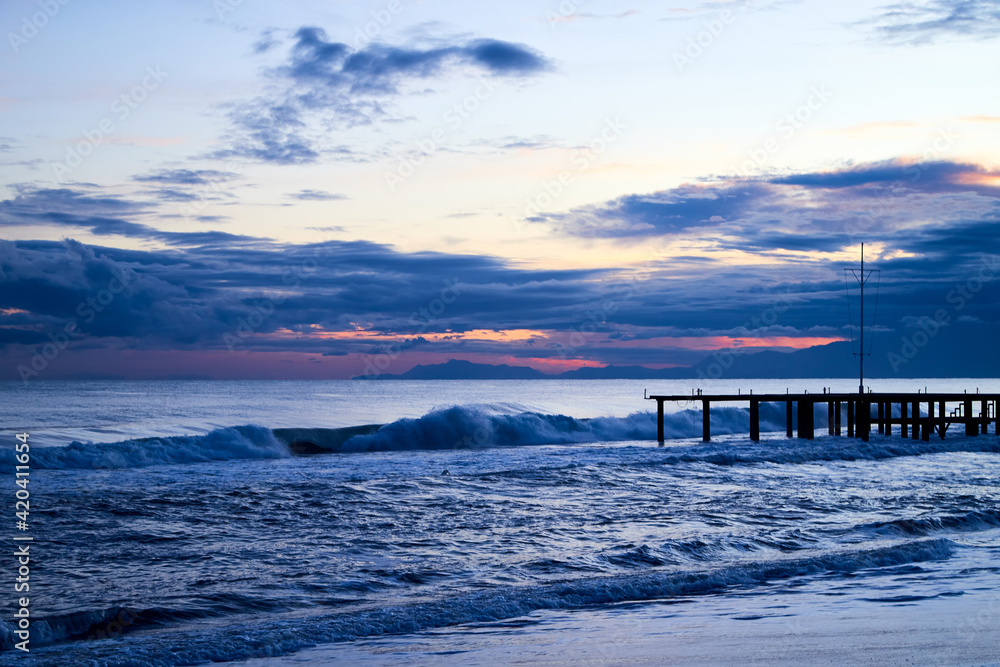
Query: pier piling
[(659, 419), (913, 423)]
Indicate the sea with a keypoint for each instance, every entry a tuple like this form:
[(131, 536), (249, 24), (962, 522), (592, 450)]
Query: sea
[(484, 523)]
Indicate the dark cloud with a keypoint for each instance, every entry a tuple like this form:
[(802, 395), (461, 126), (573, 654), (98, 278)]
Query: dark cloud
[(101, 215), (666, 212), (270, 133), (316, 195), (912, 207), (77, 201), (192, 298), (937, 233), (332, 84), (179, 177), (380, 69), (932, 176), (931, 20), (12, 336), (56, 282), (195, 296), (173, 195)]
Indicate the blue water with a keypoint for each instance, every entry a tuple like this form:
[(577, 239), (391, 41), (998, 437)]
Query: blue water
[(184, 522)]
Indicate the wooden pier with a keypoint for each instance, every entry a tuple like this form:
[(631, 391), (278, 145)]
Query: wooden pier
[(917, 415)]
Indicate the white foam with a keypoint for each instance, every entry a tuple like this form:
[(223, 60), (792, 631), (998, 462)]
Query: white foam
[(239, 442), (280, 637)]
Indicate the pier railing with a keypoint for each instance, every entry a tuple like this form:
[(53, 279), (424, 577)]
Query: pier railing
[(917, 415)]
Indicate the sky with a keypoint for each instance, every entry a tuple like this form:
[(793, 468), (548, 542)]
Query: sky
[(330, 189)]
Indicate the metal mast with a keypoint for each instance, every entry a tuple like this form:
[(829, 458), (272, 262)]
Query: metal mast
[(862, 277)]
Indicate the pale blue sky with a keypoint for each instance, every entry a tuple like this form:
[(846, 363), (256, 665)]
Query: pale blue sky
[(609, 60)]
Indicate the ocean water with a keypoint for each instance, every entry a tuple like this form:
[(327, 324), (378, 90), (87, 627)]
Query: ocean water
[(311, 523)]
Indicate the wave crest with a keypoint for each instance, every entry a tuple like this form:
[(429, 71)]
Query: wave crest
[(237, 442), (468, 427)]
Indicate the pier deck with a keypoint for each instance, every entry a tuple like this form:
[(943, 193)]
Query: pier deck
[(917, 414)]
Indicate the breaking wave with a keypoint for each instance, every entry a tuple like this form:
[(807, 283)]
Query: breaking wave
[(463, 427)]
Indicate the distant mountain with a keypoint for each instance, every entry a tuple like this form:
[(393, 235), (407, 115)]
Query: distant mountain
[(466, 370), (626, 373), (943, 355)]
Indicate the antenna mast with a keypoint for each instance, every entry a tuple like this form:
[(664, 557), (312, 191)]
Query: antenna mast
[(862, 277)]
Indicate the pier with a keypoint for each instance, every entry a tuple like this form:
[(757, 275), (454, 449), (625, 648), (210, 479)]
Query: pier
[(916, 414)]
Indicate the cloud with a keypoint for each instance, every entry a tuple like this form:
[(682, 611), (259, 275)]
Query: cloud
[(665, 212), (941, 175), (270, 133), (930, 20), (101, 215), (186, 186), (179, 177), (353, 298), (55, 281), (343, 298), (266, 41), (380, 69), (911, 207), (333, 286), (333, 85), (31, 200), (316, 195)]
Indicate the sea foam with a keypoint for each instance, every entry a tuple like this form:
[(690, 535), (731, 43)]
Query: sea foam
[(464, 427)]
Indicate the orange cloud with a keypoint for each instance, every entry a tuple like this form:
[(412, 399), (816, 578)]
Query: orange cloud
[(499, 335), (710, 343), (980, 119), (970, 178)]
